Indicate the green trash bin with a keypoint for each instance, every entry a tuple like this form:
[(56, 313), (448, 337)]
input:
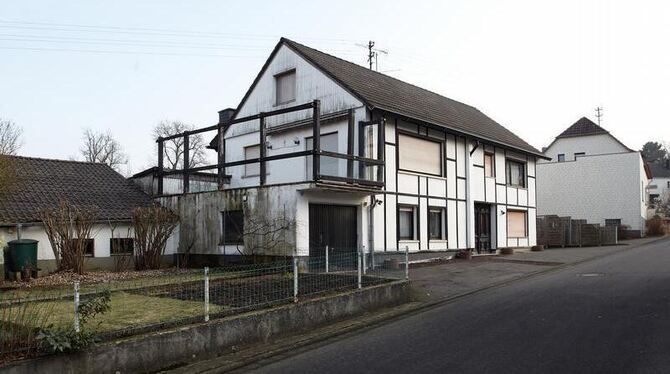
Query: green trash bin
[(23, 257)]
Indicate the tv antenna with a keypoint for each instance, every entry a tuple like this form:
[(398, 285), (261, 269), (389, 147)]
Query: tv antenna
[(599, 114), (373, 53)]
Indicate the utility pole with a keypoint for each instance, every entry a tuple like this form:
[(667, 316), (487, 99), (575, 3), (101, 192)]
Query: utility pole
[(599, 114)]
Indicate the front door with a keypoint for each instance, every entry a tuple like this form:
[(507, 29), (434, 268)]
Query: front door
[(334, 226), (483, 228)]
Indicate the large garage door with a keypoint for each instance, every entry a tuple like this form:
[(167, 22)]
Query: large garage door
[(333, 226)]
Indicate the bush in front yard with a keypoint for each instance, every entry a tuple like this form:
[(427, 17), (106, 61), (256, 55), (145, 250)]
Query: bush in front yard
[(655, 226), (153, 226)]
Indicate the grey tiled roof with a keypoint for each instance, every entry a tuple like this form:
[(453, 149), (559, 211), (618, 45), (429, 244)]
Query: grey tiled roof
[(582, 127), (42, 183), (390, 94)]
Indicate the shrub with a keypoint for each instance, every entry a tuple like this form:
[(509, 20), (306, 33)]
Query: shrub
[(655, 226), (152, 226)]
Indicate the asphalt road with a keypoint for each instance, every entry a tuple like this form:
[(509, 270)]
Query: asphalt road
[(611, 315)]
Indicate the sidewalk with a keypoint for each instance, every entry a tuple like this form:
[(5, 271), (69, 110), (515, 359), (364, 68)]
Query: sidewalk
[(434, 284), (458, 277)]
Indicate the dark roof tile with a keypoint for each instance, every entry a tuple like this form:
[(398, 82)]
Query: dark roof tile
[(42, 183), (393, 95)]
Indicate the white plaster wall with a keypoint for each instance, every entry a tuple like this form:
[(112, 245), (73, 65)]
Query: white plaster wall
[(311, 84), (594, 188), (590, 144), (101, 233)]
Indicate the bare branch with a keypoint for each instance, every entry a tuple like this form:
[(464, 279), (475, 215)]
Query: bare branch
[(103, 148), (174, 148), (10, 137)]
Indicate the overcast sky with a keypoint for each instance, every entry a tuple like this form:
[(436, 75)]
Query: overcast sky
[(535, 67)]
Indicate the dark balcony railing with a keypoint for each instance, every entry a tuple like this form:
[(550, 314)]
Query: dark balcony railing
[(325, 166)]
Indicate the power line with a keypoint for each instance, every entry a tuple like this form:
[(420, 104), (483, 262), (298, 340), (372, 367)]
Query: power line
[(126, 52), (150, 31)]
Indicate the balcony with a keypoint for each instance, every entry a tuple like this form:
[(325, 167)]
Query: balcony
[(361, 170)]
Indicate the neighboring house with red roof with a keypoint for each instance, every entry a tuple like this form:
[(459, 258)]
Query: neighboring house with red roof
[(592, 175), (42, 183), (398, 166)]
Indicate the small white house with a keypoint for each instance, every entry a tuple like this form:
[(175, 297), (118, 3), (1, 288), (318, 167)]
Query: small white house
[(394, 166), (42, 183), (592, 175), (659, 187)]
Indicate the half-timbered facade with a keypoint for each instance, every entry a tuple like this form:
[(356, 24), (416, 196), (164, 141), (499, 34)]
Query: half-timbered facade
[(352, 159)]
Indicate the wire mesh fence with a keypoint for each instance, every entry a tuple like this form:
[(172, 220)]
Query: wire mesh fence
[(146, 304)]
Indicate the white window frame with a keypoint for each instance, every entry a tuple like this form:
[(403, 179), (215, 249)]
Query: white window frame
[(247, 171), (415, 224), (443, 226)]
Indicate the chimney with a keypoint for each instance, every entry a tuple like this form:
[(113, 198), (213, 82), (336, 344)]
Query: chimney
[(225, 115)]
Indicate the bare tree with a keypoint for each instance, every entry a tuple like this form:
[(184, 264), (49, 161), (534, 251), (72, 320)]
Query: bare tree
[(152, 226), (68, 228), (103, 148), (10, 137), (174, 148)]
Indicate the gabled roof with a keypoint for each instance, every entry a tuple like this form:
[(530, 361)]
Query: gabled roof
[(380, 91), (42, 183), (583, 127)]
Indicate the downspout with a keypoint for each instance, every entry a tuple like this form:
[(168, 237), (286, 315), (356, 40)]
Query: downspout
[(469, 204), (18, 231)]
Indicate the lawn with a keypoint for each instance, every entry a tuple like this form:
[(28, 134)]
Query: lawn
[(127, 310)]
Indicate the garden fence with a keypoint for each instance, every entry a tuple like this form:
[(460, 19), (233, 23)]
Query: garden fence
[(182, 297)]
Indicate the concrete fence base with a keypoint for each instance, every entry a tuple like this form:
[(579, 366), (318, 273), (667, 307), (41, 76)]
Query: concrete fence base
[(152, 352)]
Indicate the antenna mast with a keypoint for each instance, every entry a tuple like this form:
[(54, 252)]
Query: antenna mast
[(599, 114), (373, 54)]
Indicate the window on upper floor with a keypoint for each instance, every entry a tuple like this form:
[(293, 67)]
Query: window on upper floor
[(407, 223), (489, 169), (516, 173), (561, 157), (419, 155), (579, 154), (285, 87), (232, 227), (252, 169), (328, 165)]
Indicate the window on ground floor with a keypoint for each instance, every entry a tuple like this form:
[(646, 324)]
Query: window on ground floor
[(407, 223), (121, 246), (88, 246), (613, 222), (232, 223), (436, 229), (516, 224)]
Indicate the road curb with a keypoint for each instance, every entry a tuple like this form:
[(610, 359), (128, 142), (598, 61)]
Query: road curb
[(302, 345)]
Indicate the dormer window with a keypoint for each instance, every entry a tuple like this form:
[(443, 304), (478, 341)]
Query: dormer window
[(285, 87)]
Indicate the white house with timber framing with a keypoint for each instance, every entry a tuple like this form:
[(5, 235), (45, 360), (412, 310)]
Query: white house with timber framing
[(355, 159)]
